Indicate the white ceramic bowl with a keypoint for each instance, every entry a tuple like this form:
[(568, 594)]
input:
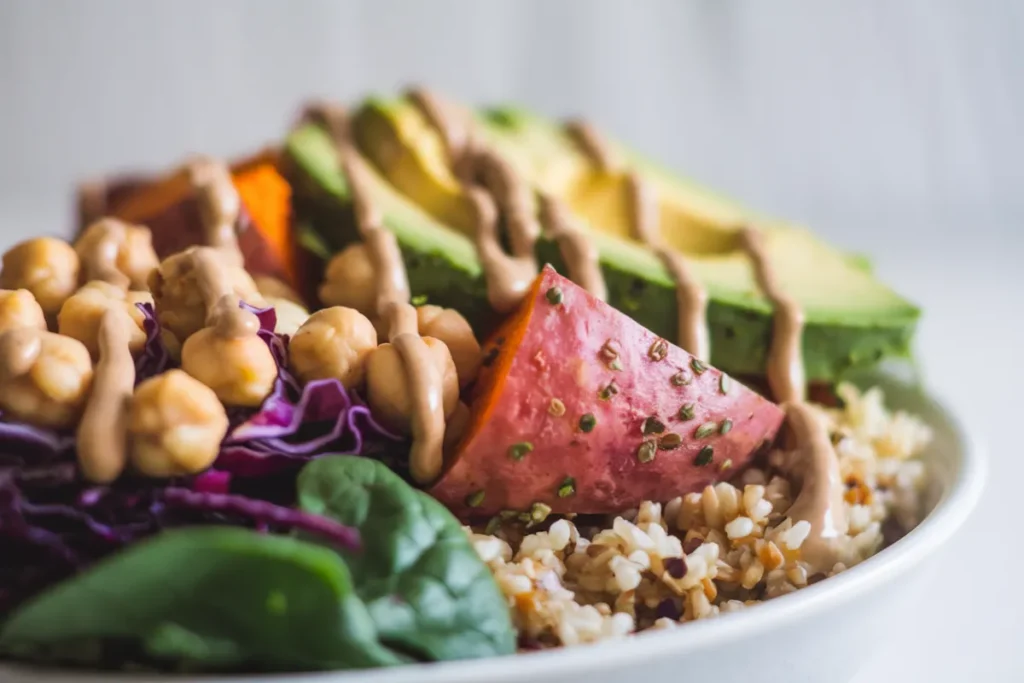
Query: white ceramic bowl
[(821, 633)]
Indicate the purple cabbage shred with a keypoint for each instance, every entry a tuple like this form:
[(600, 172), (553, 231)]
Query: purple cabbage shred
[(53, 524)]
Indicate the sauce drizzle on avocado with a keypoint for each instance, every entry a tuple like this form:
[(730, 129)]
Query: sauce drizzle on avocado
[(508, 277), (691, 297), (820, 501), (393, 307)]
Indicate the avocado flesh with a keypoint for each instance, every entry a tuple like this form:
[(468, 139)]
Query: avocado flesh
[(852, 320), (441, 263)]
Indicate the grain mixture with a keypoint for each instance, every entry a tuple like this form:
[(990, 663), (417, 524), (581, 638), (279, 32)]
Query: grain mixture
[(720, 550)]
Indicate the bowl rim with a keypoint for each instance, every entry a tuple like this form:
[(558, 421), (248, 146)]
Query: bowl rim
[(948, 515)]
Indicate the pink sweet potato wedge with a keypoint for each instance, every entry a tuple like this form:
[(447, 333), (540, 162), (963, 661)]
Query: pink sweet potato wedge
[(586, 411)]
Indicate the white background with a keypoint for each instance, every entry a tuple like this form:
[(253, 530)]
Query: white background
[(891, 126)]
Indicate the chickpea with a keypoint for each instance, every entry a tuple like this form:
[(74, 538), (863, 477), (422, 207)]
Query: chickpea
[(44, 377), (18, 308), (240, 370), (272, 288), (387, 384), (290, 315), (45, 266), (133, 257), (451, 328), (175, 425), (350, 280), (333, 343), (179, 302), (80, 316)]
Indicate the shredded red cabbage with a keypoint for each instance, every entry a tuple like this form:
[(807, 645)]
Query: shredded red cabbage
[(296, 424), (154, 358), (53, 524)]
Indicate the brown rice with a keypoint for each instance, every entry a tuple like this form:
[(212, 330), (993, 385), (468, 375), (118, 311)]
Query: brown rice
[(720, 550)]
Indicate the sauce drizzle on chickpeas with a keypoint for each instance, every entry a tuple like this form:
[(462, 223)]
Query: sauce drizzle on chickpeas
[(425, 379), (102, 432), (219, 206)]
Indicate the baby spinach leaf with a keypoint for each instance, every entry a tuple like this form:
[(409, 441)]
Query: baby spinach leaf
[(426, 589), (209, 598)]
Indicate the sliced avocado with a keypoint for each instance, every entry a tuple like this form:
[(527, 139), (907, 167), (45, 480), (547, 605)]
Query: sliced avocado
[(693, 219), (401, 143), (852, 320), (441, 263)]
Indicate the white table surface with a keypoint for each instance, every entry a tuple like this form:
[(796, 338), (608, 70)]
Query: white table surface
[(970, 282)]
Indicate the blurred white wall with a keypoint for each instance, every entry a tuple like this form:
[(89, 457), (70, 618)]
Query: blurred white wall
[(817, 109)]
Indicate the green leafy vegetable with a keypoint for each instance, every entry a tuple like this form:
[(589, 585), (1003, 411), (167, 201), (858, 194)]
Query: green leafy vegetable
[(208, 598), (425, 588)]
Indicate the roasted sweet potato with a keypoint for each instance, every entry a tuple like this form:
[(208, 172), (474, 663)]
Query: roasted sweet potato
[(586, 411), (167, 206)]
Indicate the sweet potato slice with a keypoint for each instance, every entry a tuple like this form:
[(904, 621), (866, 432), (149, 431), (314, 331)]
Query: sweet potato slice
[(584, 410), (167, 206)]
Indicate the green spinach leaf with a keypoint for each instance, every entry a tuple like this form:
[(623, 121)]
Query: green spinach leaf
[(427, 591), (208, 598)]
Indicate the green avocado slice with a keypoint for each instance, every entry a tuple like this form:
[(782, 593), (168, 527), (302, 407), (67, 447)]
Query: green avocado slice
[(852, 320), (441, 264)]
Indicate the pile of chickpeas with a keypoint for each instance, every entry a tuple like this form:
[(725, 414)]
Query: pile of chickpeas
[(50, 318)]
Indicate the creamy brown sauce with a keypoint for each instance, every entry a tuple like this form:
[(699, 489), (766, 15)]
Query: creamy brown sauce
[(102, 433), (578, 252), (691, 297), (219, 206), (98, 250), (820, 501), (426, 456), (508, 278), (592, 144), (785, 352), (453, 129), (814, 460), (223, 313)]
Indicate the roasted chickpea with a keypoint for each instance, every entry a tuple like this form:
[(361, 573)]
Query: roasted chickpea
[(18, 308), (45, 266), (290, 315), (175, 425), (333, 343), (350, 280), (113, 244), (451, 328), (272, 288), (80, 316), (44, 377), (388, 384), (240, 370), (176, 293)]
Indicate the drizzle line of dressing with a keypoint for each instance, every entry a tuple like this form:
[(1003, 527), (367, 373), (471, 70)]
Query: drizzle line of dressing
[(101, 243), (691, 297), (219, 206), (508, 277), (425, 380), (820, 501), (102, 432)]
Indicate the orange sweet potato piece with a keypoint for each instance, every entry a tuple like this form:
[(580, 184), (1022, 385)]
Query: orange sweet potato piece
[(167, 206), (582, 409)]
